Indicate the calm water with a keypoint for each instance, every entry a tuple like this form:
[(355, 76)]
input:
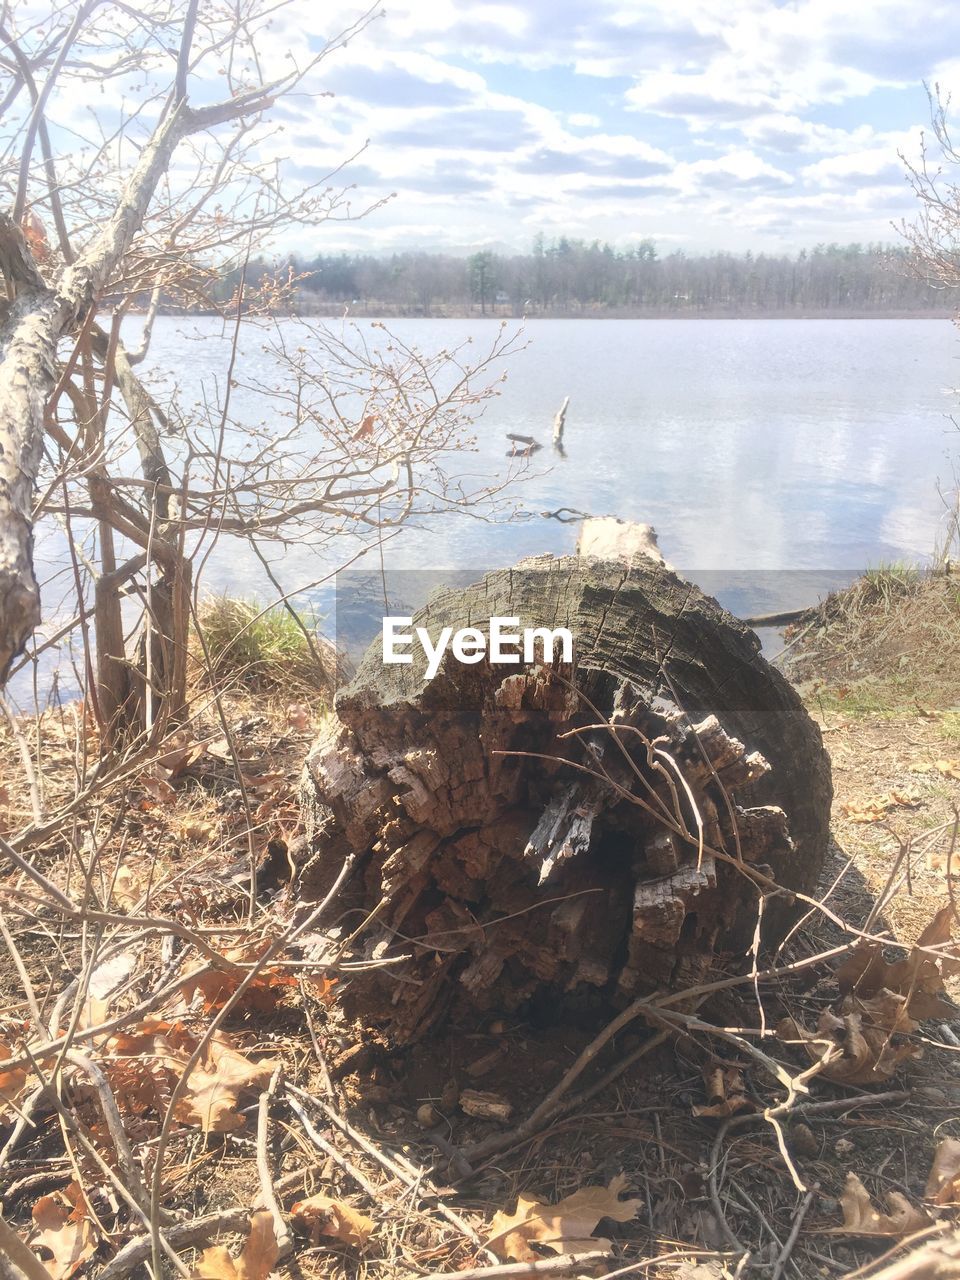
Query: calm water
[(750, 445)]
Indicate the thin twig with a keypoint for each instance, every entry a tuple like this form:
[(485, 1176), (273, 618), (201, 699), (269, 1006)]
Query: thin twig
[(267, 1194), (516, 1270), (791, 1240)]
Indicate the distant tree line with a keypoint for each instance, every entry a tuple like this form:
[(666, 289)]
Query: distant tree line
[(579, 277)]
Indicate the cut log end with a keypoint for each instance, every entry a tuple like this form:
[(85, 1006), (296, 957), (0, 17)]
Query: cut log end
[(563, 831)]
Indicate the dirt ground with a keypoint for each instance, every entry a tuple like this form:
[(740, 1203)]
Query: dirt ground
[(676, 1122), (881, 674)]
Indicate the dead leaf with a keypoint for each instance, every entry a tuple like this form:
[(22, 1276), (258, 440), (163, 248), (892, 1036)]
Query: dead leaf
[(105, 980), (62, 1229), (216, 986), (35, 235), (860, 1054), (726, 1091), (127, 889), (157, 787), (216, 1082), (365, 430), (257, 1258), (12, 1082), (322, 1215), (875, 808), (180, 753), (324, 989), (215, 1086), (918, 977), (949, 768), (862, 1219), (565, 1227), (199, 830), (263, 781), (298, 716), (939, 933), (943, 1185)]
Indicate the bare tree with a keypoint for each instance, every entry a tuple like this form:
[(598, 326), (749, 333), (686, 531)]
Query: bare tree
[(934, 241), (147, 205)]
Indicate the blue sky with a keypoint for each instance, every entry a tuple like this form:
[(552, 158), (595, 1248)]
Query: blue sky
[(742, 124)]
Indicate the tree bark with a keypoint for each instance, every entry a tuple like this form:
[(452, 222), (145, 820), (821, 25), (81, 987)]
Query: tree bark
[(582, 833)]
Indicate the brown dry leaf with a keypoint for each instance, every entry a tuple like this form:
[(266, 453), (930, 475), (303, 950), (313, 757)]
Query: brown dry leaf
[(862, 1219), (35, 235), (565, 1227), (939, 933), (918, 977), (365, 430), (887, 1012), (949, 768), (726, 1091), (182, 751), (264, 810), (263, 781), (298, 716), (215, 1087), (218, 985), (127, 889), (943, 1185), (257, 1258), (870, 811), (322, 1215), (875, 808), (867, 1054), (12, 1083), (216, 1082), (62, 1228), (324, 989), (159, 790), (200, 830)]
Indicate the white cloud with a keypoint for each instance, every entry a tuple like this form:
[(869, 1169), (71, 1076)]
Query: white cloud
[(748, 122)]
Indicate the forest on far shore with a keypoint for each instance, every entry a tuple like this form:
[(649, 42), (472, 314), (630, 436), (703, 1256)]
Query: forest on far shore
[(569, 277)]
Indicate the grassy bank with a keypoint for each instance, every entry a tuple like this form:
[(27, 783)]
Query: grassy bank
[(878, 666)]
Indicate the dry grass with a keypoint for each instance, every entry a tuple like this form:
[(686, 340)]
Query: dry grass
[(888, 642), (880, 669), (274, 649)]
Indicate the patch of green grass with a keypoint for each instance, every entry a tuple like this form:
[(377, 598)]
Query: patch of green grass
[(887, 583), (269, 648), (863, 699)]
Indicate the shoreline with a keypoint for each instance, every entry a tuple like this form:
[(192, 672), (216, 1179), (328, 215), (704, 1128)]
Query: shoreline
[(382, 312)]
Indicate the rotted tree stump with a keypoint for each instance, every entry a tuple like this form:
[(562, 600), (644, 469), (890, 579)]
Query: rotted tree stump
[(594, 830)]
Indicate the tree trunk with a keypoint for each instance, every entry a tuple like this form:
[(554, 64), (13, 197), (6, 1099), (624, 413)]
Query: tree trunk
[(583, 833), (31, 327)]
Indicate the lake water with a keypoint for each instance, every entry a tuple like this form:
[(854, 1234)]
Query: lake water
[(774, 458)]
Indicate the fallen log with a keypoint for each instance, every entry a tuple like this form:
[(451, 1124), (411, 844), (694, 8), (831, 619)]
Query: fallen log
[(576, 832)]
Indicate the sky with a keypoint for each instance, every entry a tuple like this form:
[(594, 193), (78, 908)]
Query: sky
[(700, 124)]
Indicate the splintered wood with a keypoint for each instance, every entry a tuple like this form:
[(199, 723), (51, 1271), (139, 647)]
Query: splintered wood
[(577, 835)]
